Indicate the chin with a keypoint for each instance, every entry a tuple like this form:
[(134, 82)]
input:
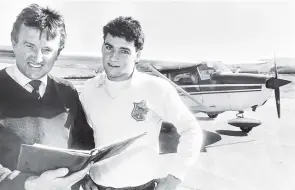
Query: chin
[(36, 76), (113, 75)]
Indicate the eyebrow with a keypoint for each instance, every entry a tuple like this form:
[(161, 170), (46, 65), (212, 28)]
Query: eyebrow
[(124, 48), (121, 48), (26, 42), (48, 48), (106, 43)]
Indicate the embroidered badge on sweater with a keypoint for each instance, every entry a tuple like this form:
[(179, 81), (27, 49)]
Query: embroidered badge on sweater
[(140, 111)]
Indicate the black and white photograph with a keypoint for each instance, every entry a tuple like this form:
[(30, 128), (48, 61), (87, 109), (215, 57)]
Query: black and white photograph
[(147, 95)]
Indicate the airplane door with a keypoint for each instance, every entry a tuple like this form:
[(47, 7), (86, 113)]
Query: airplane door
[(215, 97), (189, 82)]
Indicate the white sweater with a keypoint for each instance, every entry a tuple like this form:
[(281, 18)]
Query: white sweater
[(118, 110)]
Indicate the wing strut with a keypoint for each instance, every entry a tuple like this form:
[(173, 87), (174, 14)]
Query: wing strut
[(156, 72)]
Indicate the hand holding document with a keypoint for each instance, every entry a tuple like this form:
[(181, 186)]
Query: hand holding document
[(36, 159)]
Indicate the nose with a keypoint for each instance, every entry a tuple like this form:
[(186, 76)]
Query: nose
[(39, 56), (114, 56)]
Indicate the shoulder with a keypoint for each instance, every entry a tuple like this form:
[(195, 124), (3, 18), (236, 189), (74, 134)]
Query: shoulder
[(94, 82), (154, 82), (65, 88), (90, 85), (62, 82), (3, 74), (66, 92)]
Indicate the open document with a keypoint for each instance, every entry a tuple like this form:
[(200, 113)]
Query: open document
[(36, 159)]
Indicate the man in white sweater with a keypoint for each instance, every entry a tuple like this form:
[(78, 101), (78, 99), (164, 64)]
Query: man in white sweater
[(122, 102)]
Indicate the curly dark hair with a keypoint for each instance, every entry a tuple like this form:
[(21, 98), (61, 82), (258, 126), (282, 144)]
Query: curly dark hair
[(127, 28), (43, 19)]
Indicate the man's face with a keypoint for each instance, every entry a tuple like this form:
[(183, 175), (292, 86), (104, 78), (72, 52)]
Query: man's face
[(119, 57), (35, 55)]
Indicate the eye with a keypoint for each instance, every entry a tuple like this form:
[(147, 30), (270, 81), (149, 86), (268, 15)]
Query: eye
[(47, 50), (108, 47), (29, 45), (124, 52)]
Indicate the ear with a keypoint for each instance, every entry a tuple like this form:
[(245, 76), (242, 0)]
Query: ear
[(101, 50), (138, 54), (13, 44)]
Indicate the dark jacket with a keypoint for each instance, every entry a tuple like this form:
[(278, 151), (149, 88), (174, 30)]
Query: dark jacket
[(57, 119)]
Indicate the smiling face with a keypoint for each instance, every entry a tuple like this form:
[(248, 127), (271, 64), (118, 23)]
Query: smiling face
[(119, 57), (34, 54)]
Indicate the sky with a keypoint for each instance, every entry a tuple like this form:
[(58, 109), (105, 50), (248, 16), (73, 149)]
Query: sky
[(227, 30)]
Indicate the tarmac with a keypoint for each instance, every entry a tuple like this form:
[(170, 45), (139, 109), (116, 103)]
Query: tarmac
[(233, 160)]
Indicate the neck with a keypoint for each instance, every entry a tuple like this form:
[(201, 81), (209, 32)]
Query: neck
[(121, 78)]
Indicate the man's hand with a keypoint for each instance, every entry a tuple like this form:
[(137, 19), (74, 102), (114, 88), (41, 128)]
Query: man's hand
[(55, 179), (88, 184), (168, 183)]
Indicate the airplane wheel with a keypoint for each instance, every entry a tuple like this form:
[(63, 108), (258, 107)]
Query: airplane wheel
[(246, 129), (212, 115)]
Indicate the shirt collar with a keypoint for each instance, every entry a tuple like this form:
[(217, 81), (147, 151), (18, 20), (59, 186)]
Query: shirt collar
[(22, 79), (104, 81), (117, 84)]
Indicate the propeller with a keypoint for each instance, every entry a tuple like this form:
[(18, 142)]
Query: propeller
[(275, 83), (277, 92)]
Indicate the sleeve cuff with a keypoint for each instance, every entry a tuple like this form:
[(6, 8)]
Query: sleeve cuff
[(17, 183)]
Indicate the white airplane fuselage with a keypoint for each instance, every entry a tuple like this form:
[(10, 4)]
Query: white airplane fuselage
[(211, 88), (226, 97)]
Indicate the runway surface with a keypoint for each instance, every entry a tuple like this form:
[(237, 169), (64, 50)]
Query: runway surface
[(232, 160)]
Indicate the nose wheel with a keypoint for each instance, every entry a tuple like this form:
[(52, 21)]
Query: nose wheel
[(246, 129), (245, 124), (212, 115)]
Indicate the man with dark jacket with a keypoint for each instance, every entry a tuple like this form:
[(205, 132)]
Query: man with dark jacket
[(36, 107)]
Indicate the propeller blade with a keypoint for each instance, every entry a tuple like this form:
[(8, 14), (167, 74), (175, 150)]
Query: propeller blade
[(278, 101), (276, 69)]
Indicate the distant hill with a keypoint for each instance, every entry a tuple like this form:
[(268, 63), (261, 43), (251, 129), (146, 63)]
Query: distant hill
[(284, 66), (64, 60)]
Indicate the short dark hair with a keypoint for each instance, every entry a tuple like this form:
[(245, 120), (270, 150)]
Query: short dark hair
[(127, 28), (43, 19)]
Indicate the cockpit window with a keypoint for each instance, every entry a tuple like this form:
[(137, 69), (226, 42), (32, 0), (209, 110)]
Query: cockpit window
[(205, 74), (187, 78), (207, 68)]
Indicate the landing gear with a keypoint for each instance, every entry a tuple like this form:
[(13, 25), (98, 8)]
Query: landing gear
[(212, 115), (245, 124), (240, 114), (246, 129)]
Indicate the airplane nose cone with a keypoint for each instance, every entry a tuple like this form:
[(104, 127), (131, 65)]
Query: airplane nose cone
[(274, 83)]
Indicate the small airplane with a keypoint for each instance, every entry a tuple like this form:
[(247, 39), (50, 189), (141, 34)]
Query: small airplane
[(212, 88)]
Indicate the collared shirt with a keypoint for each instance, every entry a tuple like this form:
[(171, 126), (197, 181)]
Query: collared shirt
[(118, 110), (23, 81)]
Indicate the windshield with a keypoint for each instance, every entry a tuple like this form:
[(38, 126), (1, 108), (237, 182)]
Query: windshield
[(207, 68), (217, 66)]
